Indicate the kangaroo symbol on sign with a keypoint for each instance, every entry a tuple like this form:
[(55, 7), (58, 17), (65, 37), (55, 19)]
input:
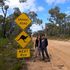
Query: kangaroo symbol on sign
[(23, 38)]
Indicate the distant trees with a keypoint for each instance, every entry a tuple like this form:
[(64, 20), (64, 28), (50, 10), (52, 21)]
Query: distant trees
[(59, 25), (56, 16)]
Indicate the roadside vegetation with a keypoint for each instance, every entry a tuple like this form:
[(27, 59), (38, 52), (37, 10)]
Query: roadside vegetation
[(57, 28)]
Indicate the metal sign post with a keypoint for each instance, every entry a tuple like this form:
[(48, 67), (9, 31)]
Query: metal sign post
[(23, 38)]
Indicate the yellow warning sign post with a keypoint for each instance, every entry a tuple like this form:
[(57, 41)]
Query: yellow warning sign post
[(23, 39), (21, 53), (23, 21)]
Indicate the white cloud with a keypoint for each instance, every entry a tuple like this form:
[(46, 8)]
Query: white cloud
[(22, 6), (33, 8), (50, 2), (1, 13), (55, 1), (28, 5), (37, 9), (40, 8), (35, 27)]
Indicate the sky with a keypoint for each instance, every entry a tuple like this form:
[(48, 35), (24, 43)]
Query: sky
[(41, 7)]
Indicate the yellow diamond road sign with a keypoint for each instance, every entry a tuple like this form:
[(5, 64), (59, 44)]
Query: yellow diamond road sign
[(23, 39), (23, 21), (21, 53)]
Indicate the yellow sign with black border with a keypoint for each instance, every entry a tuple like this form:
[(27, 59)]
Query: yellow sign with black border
[(23, 39), (23, 20), (23, 53)]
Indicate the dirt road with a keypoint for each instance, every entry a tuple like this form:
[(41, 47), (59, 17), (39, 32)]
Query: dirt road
[(59, 52)]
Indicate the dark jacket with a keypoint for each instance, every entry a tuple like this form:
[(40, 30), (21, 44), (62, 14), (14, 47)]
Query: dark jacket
[(40, 43), (44, 43), (36, 43)]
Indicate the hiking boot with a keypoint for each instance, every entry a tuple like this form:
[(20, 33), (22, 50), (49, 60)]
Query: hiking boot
[(48, 60), (43, 59)]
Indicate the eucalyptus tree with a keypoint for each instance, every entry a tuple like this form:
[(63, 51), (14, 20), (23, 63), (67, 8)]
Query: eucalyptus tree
[(34, 17), (4, 9), (1, 19), (17, 12), (57, 17)]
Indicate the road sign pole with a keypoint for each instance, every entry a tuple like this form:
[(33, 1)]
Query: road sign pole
[(23, 38)]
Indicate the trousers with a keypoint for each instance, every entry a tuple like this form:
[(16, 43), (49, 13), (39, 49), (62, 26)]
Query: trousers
[(44, 50)]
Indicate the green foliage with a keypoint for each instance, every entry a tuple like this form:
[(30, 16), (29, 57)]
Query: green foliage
[(56, 16), (8, 60), (33, 17), (1, 18), (59, 25), (57, 31), (3, 42)]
